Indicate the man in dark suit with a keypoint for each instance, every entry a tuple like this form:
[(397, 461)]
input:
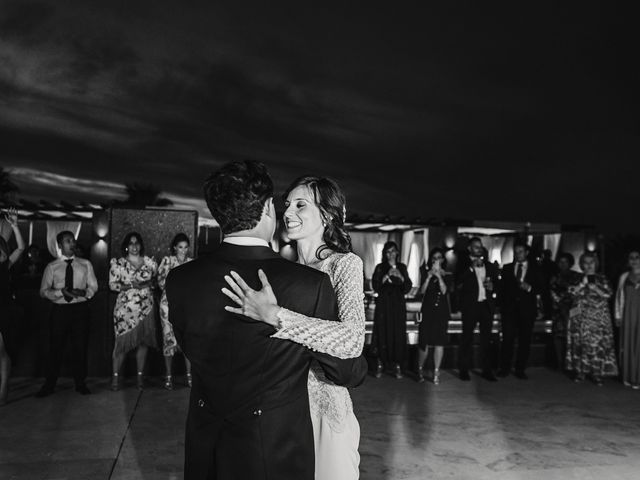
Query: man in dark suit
[(476, 281), (249, 408), (521, 283)]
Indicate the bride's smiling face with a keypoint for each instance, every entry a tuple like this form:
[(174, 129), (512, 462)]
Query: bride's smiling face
[(302, 216)]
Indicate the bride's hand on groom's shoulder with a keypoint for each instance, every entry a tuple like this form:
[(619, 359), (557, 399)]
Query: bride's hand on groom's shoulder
[(260, 305)]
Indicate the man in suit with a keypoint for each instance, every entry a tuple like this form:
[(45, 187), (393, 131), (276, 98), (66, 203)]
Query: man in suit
[(521, 284), (249, 408), (476, 281)]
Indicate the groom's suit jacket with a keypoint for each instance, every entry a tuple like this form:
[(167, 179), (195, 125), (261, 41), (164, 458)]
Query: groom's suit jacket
[(249, 409)]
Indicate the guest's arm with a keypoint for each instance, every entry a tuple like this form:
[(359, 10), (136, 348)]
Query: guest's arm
[(92, 282), (12, 218), (46, 286)]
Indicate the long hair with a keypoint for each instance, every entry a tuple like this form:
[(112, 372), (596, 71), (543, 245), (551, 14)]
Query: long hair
[(331, 202), (4, 247), (388, 246), (432, 254), (125, 243)]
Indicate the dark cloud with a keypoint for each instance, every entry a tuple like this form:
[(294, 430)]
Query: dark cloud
[(433, 111)]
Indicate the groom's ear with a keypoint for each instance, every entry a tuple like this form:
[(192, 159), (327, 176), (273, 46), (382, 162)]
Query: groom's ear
[(269, 208)]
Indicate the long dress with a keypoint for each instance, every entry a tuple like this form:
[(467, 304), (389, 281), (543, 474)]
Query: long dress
[(390, 316), (10, 313), (590, 345), (134, 320), (561, 300), (436, 314), (169, 343), (630, 334), (335, 427)]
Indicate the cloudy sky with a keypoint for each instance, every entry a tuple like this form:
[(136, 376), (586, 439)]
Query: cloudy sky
[(463, 111)]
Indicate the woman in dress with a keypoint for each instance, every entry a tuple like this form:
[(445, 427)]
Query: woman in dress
[(627, 315), (132, 276), (590, 347), (179, 255), (10, 313), (434, 314), (314, 218), (561, 302), (391, 282)]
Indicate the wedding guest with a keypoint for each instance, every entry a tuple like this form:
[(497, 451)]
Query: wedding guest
[(627, 315), (179, 256), (590, 347), (10, 312), (133, 276), (435, 313), (549, 269), (391, 281), (68, 283), (561, 303), (476, 283), (520, 285)]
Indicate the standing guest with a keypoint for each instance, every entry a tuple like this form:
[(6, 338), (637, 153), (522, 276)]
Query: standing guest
[(520, 286), (391, 281), (68, 282), (548, 269), (476, 281), (179, 255), (132, 276), (435, 313), (9, 310), (627, 315), (561, 303), (590, 347)]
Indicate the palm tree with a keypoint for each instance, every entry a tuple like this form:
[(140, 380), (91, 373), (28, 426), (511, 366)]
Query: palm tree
[(145, 195), (8, 189)]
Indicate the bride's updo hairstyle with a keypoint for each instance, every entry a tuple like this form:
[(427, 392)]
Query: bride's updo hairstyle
[(331, 202)]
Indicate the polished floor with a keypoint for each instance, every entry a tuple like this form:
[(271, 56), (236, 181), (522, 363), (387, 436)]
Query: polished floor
[(546, 427)]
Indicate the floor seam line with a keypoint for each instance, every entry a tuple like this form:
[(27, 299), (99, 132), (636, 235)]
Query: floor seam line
[(124, 436)]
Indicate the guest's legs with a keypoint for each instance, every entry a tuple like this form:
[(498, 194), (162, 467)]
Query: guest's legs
[(525, 334), (438, 353), (168, 365), (187, 365), (79, 342), (422, 356), (466, 341), (5, 371), (59, 331), (141, 357), (117, 361), (509, 321), (486, 327)]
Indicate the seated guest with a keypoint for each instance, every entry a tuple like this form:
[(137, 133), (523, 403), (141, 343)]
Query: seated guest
[(520, 286), (590, 347), (10, 313), (627, 315), (435, 313), (68, 282), (561, 302)]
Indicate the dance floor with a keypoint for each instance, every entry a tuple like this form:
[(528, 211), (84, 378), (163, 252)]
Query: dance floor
[(546, 427)]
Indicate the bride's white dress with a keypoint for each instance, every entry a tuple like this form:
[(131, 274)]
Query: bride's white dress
[(335, 427)]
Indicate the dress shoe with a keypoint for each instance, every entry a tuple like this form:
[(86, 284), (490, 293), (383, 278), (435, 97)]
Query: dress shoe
[(521, 375), (82, 389), (489, 376), (398, 372), (464, 375), (189, 380), (45, 391), (503, 372), (168, 382), (420, 375), (379, 369)]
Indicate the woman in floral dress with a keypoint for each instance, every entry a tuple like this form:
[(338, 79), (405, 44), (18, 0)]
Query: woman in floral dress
[(590, 346), (133, 276), (179, 255)]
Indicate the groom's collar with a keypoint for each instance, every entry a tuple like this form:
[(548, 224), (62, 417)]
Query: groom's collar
[(246, 241)]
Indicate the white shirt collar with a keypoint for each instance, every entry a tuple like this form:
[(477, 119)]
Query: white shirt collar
[(64, 258), (246, 241)]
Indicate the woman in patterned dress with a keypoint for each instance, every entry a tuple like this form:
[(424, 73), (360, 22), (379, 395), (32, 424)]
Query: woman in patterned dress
[(179, 255), (627, 314), (590, 347), (133, 276), (314, 218)]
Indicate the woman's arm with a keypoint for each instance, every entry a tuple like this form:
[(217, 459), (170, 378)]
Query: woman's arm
[(378, 278), (12, 218), (115, 283), (163, 271), (407, 283), (343, 339)]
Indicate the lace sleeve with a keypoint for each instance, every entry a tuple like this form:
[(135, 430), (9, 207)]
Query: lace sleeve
[(343, 339)]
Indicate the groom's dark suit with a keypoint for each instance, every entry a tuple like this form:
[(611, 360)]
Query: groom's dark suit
[(249, 408)]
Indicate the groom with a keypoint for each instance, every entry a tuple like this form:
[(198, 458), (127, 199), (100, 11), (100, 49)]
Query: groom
[(249, 408)]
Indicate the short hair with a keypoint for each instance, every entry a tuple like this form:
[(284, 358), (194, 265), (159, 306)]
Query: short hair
[(236, 193), (475, 239), (180, 237), (61, 235), (127, 238), (522, 244), (432, 254), (586, 255), (568, 257)]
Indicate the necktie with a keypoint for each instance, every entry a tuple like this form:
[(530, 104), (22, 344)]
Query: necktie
[(68, 279), (519, 272)]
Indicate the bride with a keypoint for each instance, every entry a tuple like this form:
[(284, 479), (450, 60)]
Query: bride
[(314, 218)]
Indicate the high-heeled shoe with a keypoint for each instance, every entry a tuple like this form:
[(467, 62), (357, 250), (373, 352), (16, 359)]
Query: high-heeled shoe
[(379, 368), (115, 382), (140, 381), (436, 376), (168, 382), (420, 374), (398, 373), (189, 380)]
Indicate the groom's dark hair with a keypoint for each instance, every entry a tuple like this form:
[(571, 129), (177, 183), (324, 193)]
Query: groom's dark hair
[(236, 193)]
